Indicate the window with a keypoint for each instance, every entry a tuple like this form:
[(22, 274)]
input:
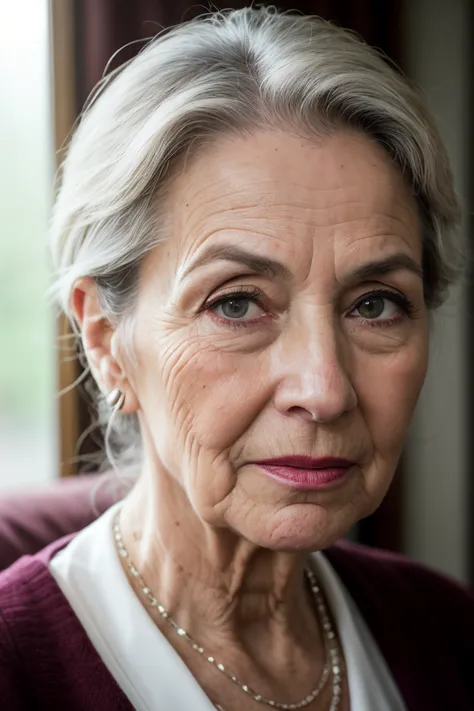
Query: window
[(28, 447)]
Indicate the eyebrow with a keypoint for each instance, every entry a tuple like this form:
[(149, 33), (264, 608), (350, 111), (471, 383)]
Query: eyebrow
[(229, 253), (379, 267), (273, 268)]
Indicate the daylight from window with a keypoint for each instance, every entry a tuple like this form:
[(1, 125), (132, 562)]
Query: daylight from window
[(27, 357)]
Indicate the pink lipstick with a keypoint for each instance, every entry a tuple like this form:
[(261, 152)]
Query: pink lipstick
[(300, 472)]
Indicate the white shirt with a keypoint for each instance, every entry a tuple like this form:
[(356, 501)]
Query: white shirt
[(145, 665)]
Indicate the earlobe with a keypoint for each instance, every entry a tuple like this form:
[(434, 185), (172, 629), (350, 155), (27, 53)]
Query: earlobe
[(115, 386), (115, 399)]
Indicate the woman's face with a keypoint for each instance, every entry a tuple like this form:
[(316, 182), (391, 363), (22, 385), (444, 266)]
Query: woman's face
[(283, 316)]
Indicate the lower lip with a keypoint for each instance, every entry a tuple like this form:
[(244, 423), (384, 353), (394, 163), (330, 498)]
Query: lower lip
[(306, 478)]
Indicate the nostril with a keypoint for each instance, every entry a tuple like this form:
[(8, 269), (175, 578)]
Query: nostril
[(301, 412)]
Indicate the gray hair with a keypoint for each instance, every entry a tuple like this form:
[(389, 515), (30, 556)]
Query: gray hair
[(232, 72)]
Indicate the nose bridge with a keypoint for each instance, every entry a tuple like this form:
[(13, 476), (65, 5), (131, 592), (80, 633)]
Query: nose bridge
[(315, 377), (323, 346)]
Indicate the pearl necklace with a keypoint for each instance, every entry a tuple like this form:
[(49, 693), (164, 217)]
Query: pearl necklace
[(330, 642)]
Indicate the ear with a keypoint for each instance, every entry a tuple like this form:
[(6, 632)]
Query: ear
[(98, 336)]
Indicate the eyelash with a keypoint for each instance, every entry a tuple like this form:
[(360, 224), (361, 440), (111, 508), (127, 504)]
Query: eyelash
[(395, 296), (255, 295)]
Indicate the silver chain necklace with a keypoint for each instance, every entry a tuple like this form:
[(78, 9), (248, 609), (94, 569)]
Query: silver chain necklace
[(330, 641)]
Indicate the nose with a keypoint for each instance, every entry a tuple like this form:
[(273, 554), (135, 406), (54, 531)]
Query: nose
[(313, 379)]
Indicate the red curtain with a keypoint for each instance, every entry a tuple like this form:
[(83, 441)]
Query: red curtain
[(103, 27)]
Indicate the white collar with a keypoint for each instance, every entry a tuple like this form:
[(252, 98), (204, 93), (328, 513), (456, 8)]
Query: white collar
[(142, 661)]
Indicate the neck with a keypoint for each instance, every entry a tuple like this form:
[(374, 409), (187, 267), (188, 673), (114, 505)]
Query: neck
[(212, 582)]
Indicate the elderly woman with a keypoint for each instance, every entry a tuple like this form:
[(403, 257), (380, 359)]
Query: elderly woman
[(255, 218)]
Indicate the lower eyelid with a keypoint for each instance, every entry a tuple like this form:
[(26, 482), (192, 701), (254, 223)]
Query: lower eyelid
[(383, 323), (235, 324)]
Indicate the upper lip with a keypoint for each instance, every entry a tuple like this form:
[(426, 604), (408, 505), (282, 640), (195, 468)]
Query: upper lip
[(303, 462)]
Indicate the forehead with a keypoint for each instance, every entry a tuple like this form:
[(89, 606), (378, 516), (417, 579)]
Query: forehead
[(275, 192)]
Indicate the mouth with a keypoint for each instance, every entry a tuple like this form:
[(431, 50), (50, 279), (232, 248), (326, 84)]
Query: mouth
[(301, 472)]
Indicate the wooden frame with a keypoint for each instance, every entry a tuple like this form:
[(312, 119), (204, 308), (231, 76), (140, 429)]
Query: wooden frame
[(64, 114)]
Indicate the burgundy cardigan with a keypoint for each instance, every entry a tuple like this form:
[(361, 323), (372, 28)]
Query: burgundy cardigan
[(422, 622)]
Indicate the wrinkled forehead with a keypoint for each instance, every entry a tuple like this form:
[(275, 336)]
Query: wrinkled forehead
[(339, 199)]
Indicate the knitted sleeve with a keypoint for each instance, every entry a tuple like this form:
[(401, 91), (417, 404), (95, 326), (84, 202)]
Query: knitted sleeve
[(15, 689)]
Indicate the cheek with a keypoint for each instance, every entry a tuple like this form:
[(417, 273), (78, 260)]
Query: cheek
[(388, 387), (207, 395)]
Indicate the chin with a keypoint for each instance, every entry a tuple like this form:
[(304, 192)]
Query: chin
[(304, 527)]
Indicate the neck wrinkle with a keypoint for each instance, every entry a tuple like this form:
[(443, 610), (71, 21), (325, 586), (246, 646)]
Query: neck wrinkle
[(209, 579)]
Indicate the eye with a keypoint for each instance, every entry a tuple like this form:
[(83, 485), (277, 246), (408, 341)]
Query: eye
[(237, 308), (376, 307), (382, 306)]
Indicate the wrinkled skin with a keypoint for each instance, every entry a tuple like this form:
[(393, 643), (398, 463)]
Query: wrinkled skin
[(304, 369)]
